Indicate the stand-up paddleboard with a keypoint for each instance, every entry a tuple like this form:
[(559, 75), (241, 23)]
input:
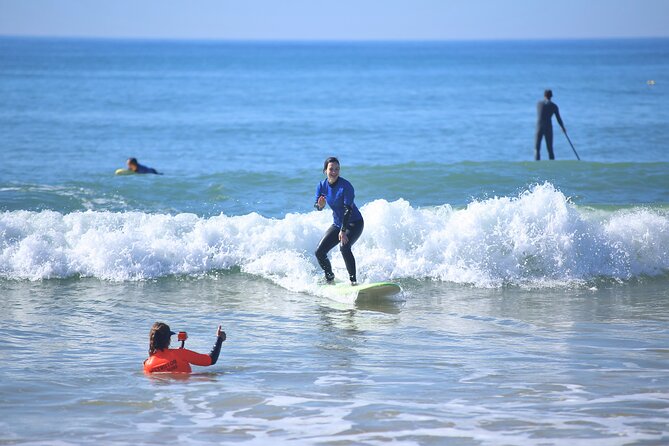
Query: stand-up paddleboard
[(124, 172), (345, 292)]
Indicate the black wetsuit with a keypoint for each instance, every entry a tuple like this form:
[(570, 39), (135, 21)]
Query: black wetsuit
[(330, 240), (143, 169), (545, 111)]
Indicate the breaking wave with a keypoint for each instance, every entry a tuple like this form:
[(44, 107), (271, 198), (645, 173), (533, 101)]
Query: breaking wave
[(537, 238)]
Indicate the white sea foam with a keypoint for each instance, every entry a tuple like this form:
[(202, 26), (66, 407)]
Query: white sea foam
[(537, 238)]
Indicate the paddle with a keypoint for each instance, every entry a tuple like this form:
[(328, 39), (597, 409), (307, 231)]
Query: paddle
[(572, 146)]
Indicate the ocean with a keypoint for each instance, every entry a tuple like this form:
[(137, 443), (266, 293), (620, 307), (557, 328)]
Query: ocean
[(535, 307)]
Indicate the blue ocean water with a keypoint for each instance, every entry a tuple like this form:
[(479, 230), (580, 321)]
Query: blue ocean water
[(535, 306)]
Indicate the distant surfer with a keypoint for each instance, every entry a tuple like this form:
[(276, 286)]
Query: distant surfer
[(134, 166), (163, 359), (545, 111), (348, 224)]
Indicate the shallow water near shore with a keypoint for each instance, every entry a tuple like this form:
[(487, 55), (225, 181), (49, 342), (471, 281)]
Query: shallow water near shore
[(582, 365)]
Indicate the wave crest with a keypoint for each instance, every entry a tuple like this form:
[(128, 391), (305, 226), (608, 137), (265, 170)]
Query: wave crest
[(537, 238)]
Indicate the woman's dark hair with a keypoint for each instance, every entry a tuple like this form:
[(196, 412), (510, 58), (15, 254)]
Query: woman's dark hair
[(329, 160), (159, 338)]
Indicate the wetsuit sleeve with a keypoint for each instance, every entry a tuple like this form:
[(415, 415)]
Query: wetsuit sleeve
[(318, 194), (347, 216), (349, 195), (557, 116), (213, 354)]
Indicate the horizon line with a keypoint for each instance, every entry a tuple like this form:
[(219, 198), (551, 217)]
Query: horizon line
[(324, 40)]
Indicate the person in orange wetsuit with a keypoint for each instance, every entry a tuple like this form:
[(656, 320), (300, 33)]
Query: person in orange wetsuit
[(176, 360)]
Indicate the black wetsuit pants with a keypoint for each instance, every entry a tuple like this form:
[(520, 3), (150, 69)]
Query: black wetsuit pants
[(542, 132), (330, 240)]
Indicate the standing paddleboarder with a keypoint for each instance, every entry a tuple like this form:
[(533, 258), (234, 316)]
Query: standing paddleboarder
[(545, 111), (347, 225)]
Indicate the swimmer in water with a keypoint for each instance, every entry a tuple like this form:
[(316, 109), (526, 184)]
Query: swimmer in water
[(347, 225), (134, 166), (176, 360)]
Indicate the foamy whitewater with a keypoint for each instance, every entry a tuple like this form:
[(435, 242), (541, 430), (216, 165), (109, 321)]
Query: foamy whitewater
[(538, 238), (534, 306)]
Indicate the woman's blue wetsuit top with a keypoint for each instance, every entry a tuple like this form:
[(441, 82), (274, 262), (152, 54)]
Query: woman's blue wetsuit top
[(339, 197)]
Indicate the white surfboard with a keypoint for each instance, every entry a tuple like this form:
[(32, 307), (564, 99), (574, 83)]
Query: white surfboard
[(345, 292)]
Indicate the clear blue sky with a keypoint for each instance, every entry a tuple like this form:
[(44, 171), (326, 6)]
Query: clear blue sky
[(336, 19)]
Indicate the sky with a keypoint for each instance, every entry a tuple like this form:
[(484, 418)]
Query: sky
[(336, 19)]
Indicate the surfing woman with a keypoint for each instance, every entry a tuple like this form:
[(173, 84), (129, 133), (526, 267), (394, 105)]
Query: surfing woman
[(176, 360), (348, 223)]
